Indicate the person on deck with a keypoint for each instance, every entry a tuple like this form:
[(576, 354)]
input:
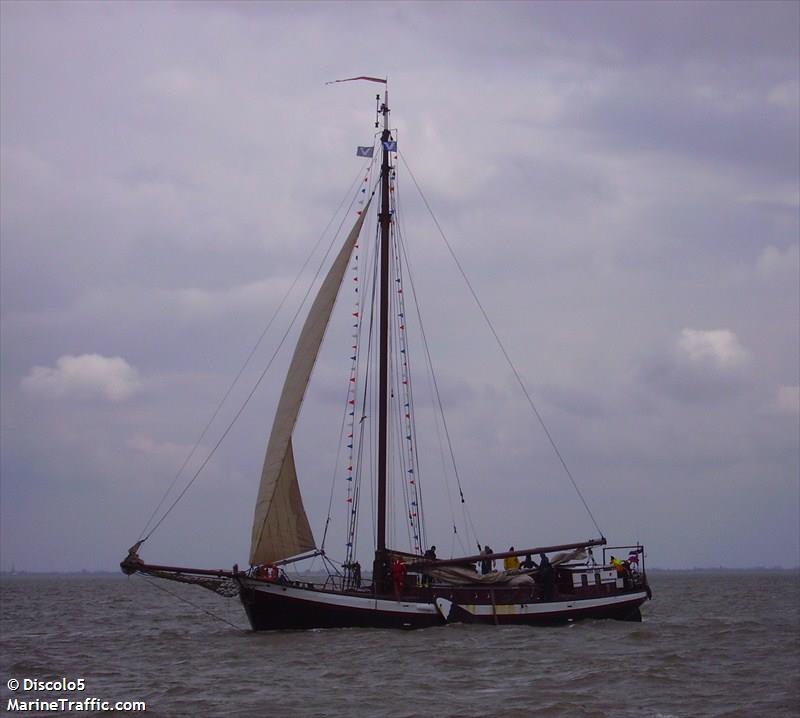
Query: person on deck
[(399, 576), (430, 555), (546, 576), (487, 564), (528, 564), (511, 563), (623, 569), (619, 565)]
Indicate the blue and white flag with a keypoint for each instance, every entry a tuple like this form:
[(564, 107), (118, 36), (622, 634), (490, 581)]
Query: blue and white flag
[(364, 151), (390, 146)]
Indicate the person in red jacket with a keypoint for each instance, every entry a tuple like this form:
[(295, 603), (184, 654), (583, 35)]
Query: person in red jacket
[(399, 576)]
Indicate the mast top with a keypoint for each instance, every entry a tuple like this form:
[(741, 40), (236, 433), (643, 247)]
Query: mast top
[(380, 109)]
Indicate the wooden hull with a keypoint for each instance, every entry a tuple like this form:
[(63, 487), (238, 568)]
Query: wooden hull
[(276, 606)]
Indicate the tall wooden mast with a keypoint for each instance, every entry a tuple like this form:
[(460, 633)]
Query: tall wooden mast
[(380, 569)]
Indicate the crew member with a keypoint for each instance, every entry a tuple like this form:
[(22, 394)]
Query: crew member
[(546, 576), (619, 565), (511, 563), (487, 564), (430, 555), (399, 576)]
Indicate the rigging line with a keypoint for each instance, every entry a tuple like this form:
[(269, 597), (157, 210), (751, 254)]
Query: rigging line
[(467, 515), (353, 517), (256, 385), (356, 435), (398, 450), (409, 408), (362, 389), (356, 454), (335, 471), (406, 414), (365, 441), (503, 349), (428, 374), (372, 389), (440, 404), (344, 417), (399, 252), (361, 259), (431, 377), (250, 355), (336, 467), (193, 605)]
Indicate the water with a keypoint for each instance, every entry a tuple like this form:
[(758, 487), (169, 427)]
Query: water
[(712, 644)]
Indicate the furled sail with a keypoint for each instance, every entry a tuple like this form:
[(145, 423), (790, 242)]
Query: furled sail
[(280, 524)]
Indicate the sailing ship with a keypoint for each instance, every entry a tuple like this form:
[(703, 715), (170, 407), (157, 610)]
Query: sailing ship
[(408, 588)]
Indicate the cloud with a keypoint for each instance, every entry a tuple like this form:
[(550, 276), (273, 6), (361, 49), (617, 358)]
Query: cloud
[(720, 347), (575, 401), (703, 365), (774, 262), (175, 453), (787, 400), (89, 376)]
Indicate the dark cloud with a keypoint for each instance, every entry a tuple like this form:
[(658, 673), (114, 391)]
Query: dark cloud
[(575, 401), (689, 383), (679, 118)]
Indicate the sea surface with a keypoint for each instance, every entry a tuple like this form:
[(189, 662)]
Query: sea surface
[(711, 644)]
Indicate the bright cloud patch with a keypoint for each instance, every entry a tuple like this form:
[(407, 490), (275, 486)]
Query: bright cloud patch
[(702, 366), (89, 376), (774, 262), (788, 400), (717, 346)]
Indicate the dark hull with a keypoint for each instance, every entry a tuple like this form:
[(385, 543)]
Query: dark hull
[(275, 606)]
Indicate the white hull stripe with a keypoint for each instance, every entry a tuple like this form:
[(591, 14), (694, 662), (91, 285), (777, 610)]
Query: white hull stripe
[(527, 609), (364, 603), (368, 603)]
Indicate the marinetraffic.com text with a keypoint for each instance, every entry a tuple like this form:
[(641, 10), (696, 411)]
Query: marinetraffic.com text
[(23, 702)]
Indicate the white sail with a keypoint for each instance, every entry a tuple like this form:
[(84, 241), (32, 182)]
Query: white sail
[(280, 524)]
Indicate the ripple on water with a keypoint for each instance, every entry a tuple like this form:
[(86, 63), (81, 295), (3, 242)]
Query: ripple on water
[(689, 658)]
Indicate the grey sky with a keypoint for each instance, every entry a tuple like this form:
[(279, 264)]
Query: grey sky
[(619, 180)]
